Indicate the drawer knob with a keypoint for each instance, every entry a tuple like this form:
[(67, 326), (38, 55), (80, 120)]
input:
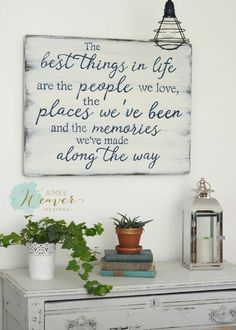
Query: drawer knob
[(82, 321), (223, 316)]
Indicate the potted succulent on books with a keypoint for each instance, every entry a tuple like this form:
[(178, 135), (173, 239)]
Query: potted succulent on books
[(129, 231), (41, 237)]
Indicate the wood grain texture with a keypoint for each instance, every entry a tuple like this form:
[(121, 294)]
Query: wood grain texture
[(98, 106)]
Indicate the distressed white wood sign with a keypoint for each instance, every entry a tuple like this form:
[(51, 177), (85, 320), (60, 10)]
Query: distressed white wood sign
[(98, 106)]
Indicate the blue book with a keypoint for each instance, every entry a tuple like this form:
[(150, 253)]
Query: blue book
[(130, 273), (144, 256)]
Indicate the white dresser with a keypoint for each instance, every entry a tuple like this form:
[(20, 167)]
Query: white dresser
[(176, 298)]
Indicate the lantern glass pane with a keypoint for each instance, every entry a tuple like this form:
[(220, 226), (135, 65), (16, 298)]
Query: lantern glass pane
[(207, 238)]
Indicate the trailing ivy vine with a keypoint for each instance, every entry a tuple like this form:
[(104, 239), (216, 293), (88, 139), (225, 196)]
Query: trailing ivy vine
[(72, 237)]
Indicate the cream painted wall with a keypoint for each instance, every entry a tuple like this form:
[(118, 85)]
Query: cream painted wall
[(211, 26)]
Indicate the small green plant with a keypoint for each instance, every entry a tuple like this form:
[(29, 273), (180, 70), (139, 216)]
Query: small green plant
[(128, 222), (72, 237)]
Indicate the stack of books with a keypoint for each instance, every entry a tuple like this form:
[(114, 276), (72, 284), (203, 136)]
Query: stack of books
[(129, 265)]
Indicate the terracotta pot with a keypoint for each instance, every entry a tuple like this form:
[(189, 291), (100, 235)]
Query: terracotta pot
[(129, 239)]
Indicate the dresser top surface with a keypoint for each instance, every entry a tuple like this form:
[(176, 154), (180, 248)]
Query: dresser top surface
[(171, 277)]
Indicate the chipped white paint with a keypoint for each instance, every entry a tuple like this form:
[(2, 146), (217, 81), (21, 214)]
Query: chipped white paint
[(96, 106), (176, 299)]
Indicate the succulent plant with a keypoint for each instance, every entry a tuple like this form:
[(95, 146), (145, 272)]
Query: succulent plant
[(128, 222)]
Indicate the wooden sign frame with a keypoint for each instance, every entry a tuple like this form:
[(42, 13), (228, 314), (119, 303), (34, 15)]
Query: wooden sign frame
[(104, 106)]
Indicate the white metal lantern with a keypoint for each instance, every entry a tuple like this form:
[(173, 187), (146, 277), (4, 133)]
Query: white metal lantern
[(202, 230)]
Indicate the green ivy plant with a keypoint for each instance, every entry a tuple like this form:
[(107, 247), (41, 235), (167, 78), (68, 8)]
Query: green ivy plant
[(72, 237), (128, 222)]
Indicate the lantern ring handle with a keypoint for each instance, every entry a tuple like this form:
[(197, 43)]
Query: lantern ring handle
[(203, 184)]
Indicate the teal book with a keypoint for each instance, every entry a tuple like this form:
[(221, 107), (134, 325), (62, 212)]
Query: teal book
[(144, 256), (130, 273)]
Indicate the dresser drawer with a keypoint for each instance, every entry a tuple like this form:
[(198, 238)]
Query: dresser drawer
[(193, 310)]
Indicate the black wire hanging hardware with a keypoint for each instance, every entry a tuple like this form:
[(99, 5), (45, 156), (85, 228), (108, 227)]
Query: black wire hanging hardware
[(170, 34)]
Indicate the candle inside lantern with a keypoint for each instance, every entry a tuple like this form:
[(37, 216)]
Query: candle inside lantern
[(204, 249)]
